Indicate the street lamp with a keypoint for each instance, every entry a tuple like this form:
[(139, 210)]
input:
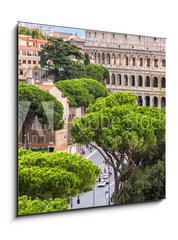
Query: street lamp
[(93, 196), (25, 141), (109, 184)]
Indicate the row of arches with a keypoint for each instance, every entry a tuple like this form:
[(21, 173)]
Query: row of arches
[(155, 101), (140, 81), (127, 59)]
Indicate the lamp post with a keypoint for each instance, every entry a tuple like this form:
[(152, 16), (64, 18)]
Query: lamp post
[(25, 141), (94, 196), (109, 185)]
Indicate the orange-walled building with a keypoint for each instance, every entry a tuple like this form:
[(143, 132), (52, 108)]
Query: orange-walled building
[(28, 54)]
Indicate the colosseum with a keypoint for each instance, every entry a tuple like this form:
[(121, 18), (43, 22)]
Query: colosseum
[(136, 64)]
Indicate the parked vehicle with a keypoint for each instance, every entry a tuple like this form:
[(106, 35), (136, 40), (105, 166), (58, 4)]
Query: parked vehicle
[(102, 183)]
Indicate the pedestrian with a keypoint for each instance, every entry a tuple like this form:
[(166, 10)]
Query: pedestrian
[(99, 178), (104, 170), (90, 148)]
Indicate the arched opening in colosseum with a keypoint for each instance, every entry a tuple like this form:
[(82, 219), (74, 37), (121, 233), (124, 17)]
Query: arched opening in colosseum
[(163, 63), (125, 80), (119, 80), (155, 101), (108, 80), (119, 59), (103, 58), (148, 62), (141, 62), (108, 60), (140, 101), (147, 81), (140, 81), (114, 58), (133, 61), (163, 102), (132, 79), (155, 82), (126, 61), (147, 99), (99, 58), (113, 79), (163, 82)]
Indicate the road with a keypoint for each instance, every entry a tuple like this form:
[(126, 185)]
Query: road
[(96, 197)]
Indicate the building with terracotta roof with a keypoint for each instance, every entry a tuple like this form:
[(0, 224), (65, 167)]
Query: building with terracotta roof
[(28, 54)]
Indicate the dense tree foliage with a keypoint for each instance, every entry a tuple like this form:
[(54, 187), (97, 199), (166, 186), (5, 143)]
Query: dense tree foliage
[(121, 130), (82, 92), (36, 97), (55, 174), (97, 72), (76, 69), (57, 56), (27, 205), (34, 33), (146, 184), (86, 59)]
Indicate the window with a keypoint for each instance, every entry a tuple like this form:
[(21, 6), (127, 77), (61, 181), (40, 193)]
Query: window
[(132, 80), (34, 44), (29, 53), (113, 79), (21, 71), (148, 62), (24, 61), (140, 81), (155, 82), (24, 53), (155, 62), (155, 102), (147, 99), (119, 79), (42, 139), (163, 82), (29, 61), (27, 43), (126, 61), (163, 63), (34, 62), (34, 138), (34, 53), (141, 62), (125, 80), (147, 83), (133, 61)]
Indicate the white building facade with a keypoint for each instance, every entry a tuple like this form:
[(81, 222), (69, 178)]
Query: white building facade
[(136, 64)]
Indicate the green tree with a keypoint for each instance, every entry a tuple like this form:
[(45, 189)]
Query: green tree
[(57, 56), (120, 130), (86, 59), (55, 175), (52, 176), (146, 184), (27, 205), (74, 70), (36, 97), (34, 33), (82, 92), (97, 72)]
